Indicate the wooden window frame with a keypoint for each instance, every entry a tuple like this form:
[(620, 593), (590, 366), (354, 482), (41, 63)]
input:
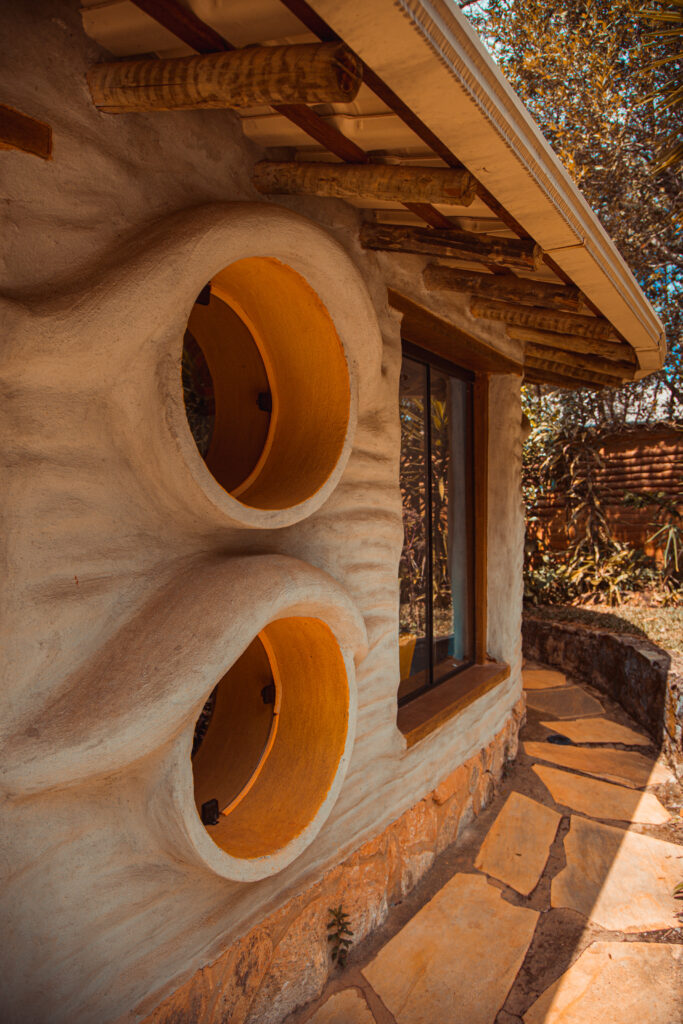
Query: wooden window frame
[(441, 702)]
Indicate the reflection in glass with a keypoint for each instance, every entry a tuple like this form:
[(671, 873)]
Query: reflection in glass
[(413, 572), (450, 547), (435, 619)]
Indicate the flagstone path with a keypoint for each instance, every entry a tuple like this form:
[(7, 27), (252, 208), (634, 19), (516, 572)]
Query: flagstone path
[(555, 905)]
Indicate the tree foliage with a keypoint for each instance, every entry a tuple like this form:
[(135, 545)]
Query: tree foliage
[(582, 69)]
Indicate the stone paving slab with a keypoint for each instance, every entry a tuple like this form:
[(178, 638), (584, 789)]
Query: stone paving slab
[(455, 961), (347, 1007), (620, 880), (570, 702), (542, 678), (599, 730), (517, 845), (616, 983), (621, 766), (601, 799)]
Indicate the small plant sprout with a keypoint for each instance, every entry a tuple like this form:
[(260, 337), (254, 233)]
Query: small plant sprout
[(338, 932)]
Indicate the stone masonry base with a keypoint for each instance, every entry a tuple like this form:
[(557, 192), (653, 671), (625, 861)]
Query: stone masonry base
[(284, 961)]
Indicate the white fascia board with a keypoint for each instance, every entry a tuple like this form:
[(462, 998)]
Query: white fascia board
[(428, 53)]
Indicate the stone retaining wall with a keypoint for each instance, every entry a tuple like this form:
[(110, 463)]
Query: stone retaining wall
[(284, 962), (633, 671)]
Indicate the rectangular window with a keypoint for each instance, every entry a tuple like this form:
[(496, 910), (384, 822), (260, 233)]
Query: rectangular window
[(436, 624)]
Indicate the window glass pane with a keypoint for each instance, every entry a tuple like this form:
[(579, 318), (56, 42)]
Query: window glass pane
[(414, 610), (452, 634)]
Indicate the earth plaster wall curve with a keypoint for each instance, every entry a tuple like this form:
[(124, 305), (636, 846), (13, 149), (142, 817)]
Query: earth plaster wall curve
[(122, 908), (157, 672), (107, 485)]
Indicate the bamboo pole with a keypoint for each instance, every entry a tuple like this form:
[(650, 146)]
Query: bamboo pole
[(512, 252), (604, 367), (611, 350), (390, 182), (440, 278), (306, 73), (545, 319)]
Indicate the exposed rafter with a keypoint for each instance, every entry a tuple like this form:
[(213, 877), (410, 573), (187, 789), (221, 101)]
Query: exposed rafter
[(464, 245), (24, 133), (441, 278)]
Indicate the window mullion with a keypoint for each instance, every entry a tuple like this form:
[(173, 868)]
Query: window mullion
[(429, 533)]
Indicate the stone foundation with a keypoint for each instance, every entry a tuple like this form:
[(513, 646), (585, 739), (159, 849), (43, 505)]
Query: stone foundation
[(633, 671), (284, 962)]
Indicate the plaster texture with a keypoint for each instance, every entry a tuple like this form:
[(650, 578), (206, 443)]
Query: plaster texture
[(131, 581)]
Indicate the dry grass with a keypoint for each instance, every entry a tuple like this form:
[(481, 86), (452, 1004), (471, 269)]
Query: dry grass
[(663, 626)]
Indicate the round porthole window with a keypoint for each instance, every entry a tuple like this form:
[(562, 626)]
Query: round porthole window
[(270, 741), (266, 384)]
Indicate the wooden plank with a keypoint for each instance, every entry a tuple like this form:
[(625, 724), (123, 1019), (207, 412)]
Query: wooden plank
[(618, 371), (480, 417), (315, 24), (305, 73), (185, 25), (387, 182), (19, 131), (439, 278), (510, 252), (545, 319), (323, 133), (434, 708), (611, 350), (442, 338)]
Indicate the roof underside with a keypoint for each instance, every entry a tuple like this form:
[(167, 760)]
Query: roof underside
[(431, 96)]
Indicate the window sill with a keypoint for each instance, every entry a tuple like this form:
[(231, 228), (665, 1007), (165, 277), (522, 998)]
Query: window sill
[(429, 711)]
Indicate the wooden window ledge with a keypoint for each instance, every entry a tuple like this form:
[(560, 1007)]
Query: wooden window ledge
[(443, 702)]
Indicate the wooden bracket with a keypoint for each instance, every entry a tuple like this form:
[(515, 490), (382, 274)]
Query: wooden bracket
[(19, 131)]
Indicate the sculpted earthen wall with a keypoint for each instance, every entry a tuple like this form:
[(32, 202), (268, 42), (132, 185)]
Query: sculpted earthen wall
[(129, 581)]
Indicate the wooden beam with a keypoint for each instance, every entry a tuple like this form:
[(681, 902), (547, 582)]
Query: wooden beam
[(390, 182), (185, 25), (462, 245), (305, 73), (618, 371), (557, 380), (202, 38), (19, 131), (614, 351), (442, 338), (480, 426), (440, 278), (545, 319), (561, 370)]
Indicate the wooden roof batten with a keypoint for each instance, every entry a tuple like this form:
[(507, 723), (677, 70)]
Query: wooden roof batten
[(572, 361)]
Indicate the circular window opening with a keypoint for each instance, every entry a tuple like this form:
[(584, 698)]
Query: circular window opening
[(266, 384), (269, 740)]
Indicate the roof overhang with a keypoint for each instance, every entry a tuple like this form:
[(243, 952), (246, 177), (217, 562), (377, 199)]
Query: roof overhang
[(428, 53), (432, 89)]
